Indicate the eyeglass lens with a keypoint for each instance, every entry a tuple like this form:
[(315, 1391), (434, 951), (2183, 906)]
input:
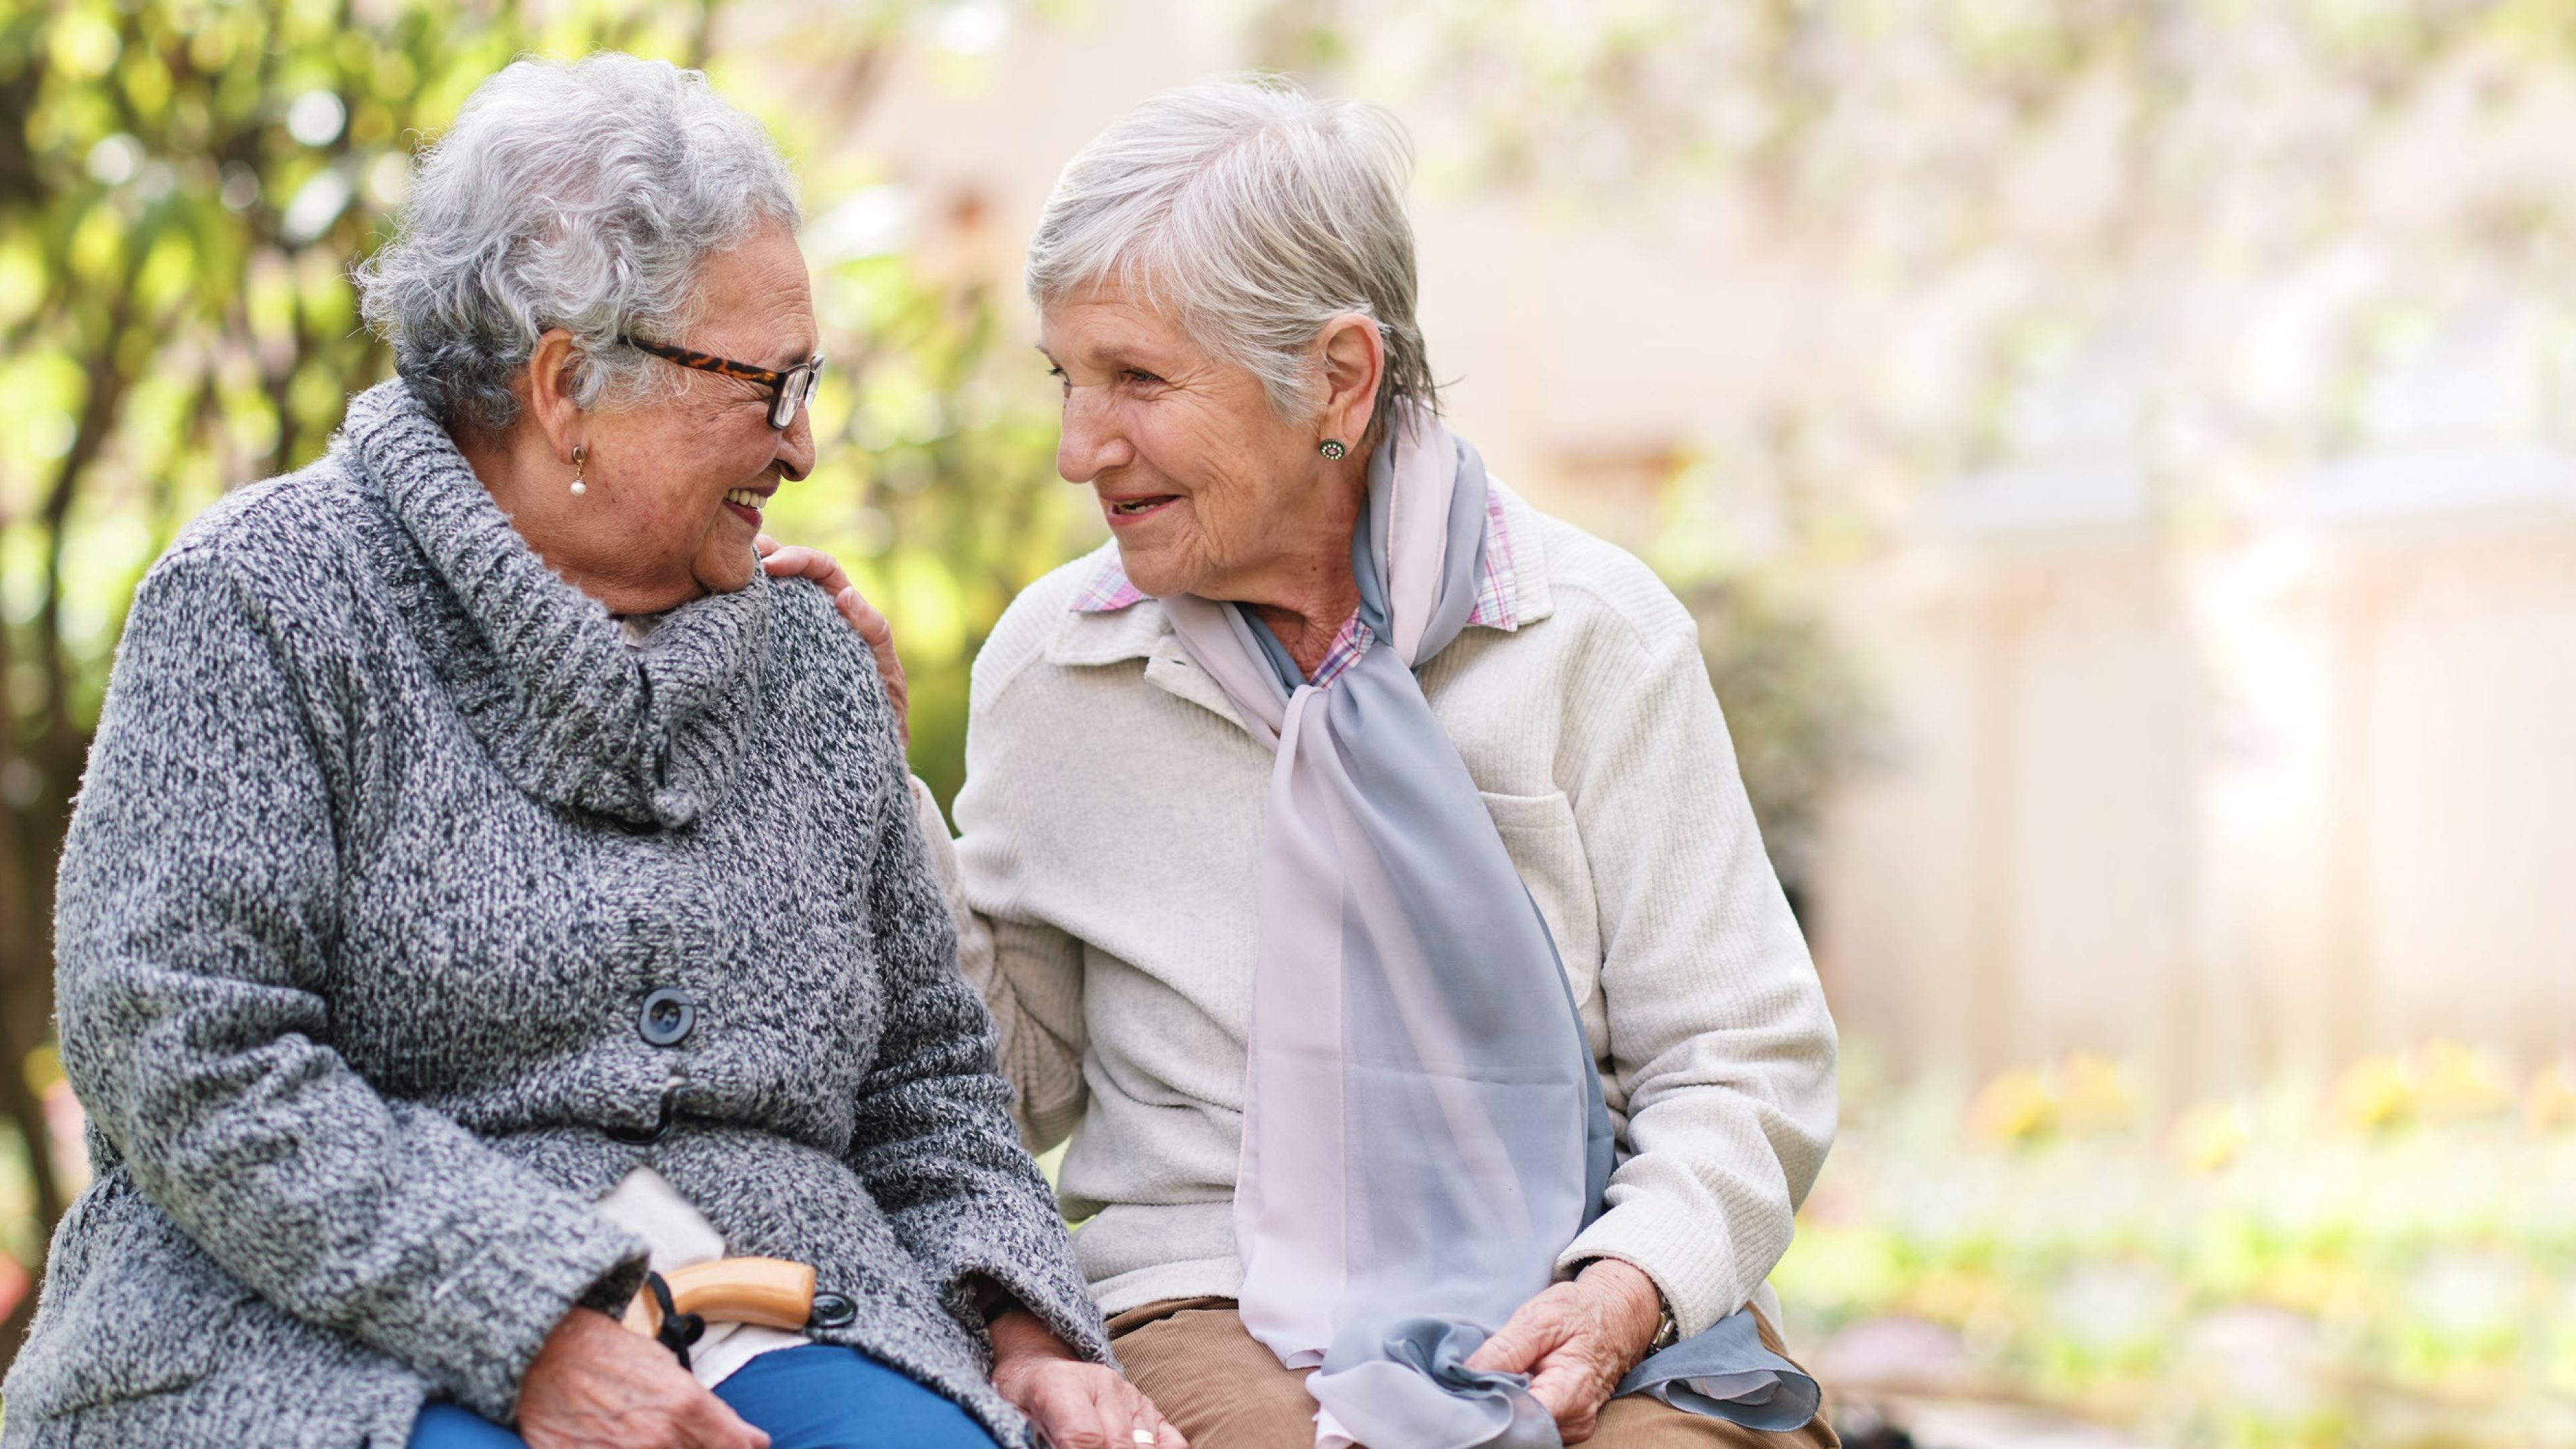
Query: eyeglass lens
[(794, 391)]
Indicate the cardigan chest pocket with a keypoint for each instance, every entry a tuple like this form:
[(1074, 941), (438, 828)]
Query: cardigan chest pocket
[(1546, 847)]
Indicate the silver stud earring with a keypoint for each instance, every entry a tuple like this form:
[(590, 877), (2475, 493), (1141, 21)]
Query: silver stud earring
[(1333, 450), (580, 466)]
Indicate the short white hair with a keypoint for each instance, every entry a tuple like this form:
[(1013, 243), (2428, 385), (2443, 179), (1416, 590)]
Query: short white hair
[(1259, 212), (581, 195)]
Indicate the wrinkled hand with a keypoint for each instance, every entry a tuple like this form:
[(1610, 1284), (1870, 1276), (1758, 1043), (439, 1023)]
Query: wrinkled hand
[(1576, 1341), (1076, 1405), (795, 561), (596, 1386)]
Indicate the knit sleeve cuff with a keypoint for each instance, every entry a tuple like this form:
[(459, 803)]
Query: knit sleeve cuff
[(1054, 1292), (1690, 1257), (484, 1325)]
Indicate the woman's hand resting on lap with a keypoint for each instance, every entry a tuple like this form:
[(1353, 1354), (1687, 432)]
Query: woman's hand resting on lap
[(1577, 1340), (791, 561), (596, 1386), (1076, 1404)]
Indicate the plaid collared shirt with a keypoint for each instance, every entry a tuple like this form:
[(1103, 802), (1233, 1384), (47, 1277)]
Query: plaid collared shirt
[(1108, 590)]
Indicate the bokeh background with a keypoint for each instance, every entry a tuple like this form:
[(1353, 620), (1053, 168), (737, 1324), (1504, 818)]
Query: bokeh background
[(2122, 453)]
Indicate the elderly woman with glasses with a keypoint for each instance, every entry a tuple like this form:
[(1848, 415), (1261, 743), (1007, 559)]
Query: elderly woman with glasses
[(1355, 860), (492, 893)]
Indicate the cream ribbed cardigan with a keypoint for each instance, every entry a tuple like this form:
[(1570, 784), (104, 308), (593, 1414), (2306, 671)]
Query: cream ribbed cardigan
[(1103, 883)]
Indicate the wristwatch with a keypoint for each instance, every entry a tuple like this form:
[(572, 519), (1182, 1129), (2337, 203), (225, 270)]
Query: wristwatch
[(1668, 1330)]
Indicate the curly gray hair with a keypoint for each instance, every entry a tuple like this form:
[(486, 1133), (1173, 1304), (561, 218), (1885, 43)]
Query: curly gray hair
[(1262, 213), (579, 195)]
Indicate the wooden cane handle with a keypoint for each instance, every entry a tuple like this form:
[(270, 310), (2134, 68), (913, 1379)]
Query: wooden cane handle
[(771, 1292)]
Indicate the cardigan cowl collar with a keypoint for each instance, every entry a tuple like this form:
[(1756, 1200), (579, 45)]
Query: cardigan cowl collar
[(568, 709)]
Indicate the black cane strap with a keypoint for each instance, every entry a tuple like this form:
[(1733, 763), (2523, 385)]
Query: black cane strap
[(678, 1330)]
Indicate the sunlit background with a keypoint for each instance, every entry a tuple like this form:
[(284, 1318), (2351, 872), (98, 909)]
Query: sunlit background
[(2123, 455)]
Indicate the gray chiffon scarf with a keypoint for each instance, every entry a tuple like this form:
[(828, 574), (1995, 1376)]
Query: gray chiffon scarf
[(1424, 1128)]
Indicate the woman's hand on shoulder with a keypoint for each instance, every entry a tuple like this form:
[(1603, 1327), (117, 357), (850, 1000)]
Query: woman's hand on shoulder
[(1075, 1403), (793, 561), (1577, 1340), (596, 1386)]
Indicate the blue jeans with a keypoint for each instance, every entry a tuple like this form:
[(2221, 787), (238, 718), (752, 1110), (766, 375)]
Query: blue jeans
[(817, 1397)]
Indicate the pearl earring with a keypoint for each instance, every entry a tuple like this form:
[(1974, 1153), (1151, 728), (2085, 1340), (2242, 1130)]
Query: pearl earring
[(1332, 450), (580, 466)]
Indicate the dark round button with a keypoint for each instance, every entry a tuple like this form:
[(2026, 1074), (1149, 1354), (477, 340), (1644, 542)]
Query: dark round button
[(832, 1310), (669, 1015)]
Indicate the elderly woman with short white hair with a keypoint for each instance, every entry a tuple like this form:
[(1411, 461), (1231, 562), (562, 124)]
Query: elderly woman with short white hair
[(490, 893), (1355, 860)]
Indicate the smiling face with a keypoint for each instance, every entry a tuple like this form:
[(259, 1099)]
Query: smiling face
[(674, 486), (1208, 489)]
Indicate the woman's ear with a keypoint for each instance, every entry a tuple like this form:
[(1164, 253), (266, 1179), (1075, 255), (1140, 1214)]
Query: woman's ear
[(552, 373), (1353, 356)]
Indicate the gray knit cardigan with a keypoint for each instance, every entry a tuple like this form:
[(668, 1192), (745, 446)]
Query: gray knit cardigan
[(386, 837)]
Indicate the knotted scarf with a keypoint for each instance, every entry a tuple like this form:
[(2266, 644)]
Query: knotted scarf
[(1424, 1129)]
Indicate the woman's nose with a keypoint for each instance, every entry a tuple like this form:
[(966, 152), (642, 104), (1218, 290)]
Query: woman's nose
[(796, 446), (1091, 443)]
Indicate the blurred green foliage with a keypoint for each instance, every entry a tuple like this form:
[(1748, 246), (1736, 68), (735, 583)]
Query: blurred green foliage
[(2388, 1259)]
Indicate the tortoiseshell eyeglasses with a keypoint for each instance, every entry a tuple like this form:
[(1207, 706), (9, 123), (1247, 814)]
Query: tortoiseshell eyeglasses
[(789, 391)]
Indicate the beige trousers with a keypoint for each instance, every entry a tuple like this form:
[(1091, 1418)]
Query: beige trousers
[(1225, 1391)]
